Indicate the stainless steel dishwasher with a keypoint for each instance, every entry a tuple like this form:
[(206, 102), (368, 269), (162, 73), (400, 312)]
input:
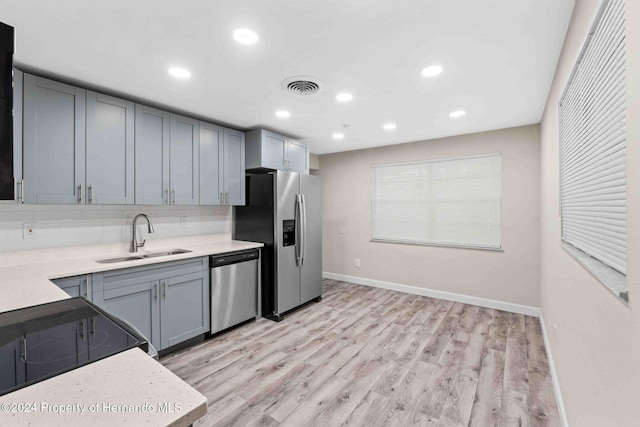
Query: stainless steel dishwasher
[(234, 288)]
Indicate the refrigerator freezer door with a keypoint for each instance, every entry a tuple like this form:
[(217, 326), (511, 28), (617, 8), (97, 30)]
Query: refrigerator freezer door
[(287, 272), (311, 270)]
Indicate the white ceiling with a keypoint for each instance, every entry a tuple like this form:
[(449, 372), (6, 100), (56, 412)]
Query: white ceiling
[(499, 57)]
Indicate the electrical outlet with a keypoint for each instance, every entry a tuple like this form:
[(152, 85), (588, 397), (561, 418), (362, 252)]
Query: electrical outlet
[(343, 230), (357, 262), (183, 222), (28, 231)]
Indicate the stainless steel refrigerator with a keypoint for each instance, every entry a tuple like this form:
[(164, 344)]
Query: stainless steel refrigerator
[(284, 211)]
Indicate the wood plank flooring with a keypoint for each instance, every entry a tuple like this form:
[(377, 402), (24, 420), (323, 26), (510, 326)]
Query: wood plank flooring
[(371, 357)]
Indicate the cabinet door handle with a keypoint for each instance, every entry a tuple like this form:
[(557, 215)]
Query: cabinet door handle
[(90, 198), (22, 192), (221, 199), (164, 289), (24, 349), (80, 193), (173, 193), (92, 326), (84, 283), (83, 330), (155, 291), (226, 198)]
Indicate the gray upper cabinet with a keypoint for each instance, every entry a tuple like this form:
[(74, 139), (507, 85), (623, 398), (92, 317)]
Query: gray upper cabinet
[(166, 158), (233, 170), (270, 150), (151, 156), (184, 154), (109, 150), (83, 147), (222, 168), (296, 157), (54, 142), (210, 164), (78, 145)]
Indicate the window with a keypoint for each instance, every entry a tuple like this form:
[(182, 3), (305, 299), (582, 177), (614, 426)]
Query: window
[(592, 144), (453, 202)]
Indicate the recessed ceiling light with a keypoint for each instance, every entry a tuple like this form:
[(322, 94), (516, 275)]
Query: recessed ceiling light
[(457, 113), (389, 126), (432, 71), (283, 114), (338, 135), (245, 36), (181, 73), (344, 97)]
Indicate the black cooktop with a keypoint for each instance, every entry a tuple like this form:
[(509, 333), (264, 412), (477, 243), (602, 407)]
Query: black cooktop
[(45, 340)]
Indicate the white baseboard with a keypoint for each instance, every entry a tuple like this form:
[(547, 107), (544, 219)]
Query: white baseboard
[(449, 296), (554, 377)]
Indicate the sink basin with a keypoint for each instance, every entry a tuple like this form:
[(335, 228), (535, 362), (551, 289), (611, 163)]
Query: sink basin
[(165, 253), (143, 256)]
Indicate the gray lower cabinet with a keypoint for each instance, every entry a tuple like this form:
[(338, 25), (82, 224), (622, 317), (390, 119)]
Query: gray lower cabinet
[(76, 286), (167, 302), (222, 166), (11, 351), (53, 142)]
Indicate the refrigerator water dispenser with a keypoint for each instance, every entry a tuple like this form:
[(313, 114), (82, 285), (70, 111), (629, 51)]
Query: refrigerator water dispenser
[(289, 232)]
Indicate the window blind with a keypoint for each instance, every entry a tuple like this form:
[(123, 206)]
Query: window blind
[(593, 141), (453, 202)]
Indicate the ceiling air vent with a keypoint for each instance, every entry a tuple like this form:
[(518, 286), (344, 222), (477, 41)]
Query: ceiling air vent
[(301, 85)]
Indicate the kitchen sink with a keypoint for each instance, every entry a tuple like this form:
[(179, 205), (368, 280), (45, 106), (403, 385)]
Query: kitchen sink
[(143, 256)]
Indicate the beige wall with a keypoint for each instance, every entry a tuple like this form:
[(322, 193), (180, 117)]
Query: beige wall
[(510, 276), (596, 346)]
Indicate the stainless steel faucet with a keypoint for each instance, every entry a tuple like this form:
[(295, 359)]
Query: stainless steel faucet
[(134, 240)]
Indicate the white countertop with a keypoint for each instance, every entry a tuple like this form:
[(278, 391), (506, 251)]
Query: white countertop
[(128, 388)]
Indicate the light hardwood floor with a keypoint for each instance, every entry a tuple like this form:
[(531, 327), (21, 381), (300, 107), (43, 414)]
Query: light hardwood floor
[(370, 357)]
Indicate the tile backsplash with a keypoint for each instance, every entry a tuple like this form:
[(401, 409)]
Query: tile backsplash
[(64, 225)]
